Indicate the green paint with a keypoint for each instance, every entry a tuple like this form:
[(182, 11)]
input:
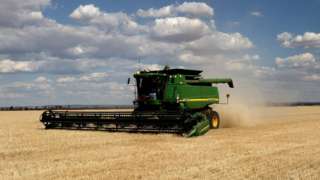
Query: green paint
[(176, 89), (201, 126)]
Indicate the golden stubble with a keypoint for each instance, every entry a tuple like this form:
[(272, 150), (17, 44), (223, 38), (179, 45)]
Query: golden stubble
[(284, 144)]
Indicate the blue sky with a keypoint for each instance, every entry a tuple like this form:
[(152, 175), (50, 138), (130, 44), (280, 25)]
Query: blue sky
[(81, 52)]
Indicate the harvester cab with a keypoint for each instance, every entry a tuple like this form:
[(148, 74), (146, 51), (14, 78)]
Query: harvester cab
[(168, 100)]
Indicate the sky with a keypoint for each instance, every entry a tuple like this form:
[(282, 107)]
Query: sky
[(82, 52)]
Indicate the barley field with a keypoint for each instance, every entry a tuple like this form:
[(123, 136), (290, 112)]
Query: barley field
[(283, 144)]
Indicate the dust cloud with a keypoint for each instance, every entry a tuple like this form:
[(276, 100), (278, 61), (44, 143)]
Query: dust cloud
[(238, 115), (243, 110)]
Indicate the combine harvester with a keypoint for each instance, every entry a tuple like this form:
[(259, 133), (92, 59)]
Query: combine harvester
[(168, 100)]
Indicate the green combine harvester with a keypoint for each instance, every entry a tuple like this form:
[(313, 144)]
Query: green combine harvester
[(168, 100)]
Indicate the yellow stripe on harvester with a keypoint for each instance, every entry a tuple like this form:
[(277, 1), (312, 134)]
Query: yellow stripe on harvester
[(199, 100)]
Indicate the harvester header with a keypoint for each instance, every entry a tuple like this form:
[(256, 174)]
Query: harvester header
[(168, 100)]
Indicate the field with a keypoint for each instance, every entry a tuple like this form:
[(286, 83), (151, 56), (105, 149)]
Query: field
[(281, 143)]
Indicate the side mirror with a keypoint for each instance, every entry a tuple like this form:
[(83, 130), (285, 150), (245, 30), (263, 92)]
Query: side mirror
[(128, 81), (228, 95)]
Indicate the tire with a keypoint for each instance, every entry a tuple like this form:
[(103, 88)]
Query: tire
[(213, 118)]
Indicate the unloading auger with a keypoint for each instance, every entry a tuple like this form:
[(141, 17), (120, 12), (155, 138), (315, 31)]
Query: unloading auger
[(168, 100)]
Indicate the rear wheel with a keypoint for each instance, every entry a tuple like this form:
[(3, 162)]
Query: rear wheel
[(213, 118)]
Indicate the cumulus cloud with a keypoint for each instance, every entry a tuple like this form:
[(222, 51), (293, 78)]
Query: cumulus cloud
[(197, 9), (313, 77), (296, 61), (178, 29), (148, 67), (191, 58), (41, 79), (66, 79), (81, 50), (89, 41), (14, 13), (39, 87), (307, 40), (256, 13), (54, 38), (305, 67), (118, 21), (86, 12), (285, 39), (249, 64), (161, 12), (67, 41), (242, 63), (10, 66), (219, 42), (91, 77), (94, 76)]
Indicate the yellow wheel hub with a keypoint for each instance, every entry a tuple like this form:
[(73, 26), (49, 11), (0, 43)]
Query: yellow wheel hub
[(214, 121)]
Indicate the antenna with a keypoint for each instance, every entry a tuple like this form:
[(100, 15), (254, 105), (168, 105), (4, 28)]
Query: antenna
[(139, 64)]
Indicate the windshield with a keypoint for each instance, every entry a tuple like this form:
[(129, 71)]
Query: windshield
[(151, 87)]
